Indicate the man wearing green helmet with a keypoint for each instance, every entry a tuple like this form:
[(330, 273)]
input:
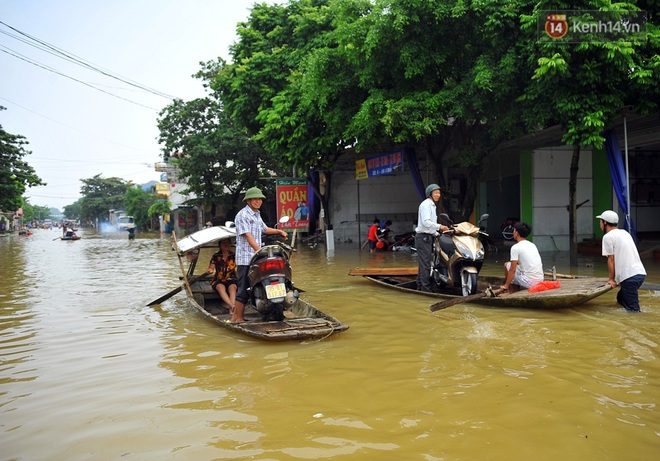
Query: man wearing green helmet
[(426, 230), (249, 230)]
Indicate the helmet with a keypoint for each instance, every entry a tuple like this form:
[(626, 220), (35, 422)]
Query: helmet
[(380, 245), (253, 192), (431, 187), (609, 216)]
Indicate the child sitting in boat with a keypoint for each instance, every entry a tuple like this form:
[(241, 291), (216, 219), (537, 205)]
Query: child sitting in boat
[(224, 281)]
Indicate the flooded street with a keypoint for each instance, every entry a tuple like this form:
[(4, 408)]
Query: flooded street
[(87, 371)]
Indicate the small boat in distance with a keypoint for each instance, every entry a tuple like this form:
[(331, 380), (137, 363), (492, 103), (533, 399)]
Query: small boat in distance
[(573, 290), (302, 321)]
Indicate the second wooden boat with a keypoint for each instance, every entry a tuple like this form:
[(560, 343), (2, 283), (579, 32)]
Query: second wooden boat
[(574, 291)]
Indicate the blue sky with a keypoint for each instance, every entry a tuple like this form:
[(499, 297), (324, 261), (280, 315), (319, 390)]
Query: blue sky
[(75, 131)]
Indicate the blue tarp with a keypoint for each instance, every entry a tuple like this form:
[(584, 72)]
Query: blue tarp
[(618, 171), (413, 165)]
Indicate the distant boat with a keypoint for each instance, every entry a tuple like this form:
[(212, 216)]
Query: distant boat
[(73, 237)]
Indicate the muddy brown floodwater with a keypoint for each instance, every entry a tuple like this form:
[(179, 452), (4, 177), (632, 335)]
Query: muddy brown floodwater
[(88, 371)]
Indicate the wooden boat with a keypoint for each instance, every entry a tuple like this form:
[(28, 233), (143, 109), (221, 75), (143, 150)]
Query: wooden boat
[(302, 322), (574, 290)]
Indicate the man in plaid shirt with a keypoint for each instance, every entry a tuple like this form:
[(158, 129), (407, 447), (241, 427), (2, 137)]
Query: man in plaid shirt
[(249, 229)]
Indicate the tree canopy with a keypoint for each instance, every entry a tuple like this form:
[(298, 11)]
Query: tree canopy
[(584, 86), (313, 79), (100, 195), (138, 203), (215, 155)]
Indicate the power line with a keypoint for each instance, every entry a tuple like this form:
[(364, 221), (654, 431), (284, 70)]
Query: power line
[(28, 60), (70, 57)]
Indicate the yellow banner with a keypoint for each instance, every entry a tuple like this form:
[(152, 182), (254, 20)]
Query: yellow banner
[(361, 169)]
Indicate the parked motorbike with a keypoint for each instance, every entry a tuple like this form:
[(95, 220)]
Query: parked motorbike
[(270, 287), (458, 256), (404, 242)]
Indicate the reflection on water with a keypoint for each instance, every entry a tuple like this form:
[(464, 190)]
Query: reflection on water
[(88, 371)]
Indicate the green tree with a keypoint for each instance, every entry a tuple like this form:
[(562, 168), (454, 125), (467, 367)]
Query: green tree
[(314, 78), (100, 195), (74, 210), (34, 212), (160, 207), (584, 86), (262, 89), (438, 77), (217, 159), (16, 175), (138, 202)]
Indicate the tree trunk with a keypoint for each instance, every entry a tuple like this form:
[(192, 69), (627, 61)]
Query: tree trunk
[(470, 195), (572, 207), (323, 197)]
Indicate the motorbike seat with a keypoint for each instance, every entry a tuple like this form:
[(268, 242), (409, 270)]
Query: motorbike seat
[(447, 244)]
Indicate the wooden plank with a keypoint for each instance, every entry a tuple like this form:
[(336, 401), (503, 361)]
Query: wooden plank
[(362, 271)]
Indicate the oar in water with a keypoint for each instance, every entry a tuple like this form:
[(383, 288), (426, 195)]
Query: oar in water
[(464, 299), (176, 290)]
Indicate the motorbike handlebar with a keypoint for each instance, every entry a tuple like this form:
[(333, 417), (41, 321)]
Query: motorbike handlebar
[(276, 240), (286, 246)]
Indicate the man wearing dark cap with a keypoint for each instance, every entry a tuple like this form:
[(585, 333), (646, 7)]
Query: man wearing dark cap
[(427, 228), (623, 262)]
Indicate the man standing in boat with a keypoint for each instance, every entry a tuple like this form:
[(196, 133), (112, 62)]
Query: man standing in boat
[(249, 230), (427, 228), (525, 268), (623, 262)]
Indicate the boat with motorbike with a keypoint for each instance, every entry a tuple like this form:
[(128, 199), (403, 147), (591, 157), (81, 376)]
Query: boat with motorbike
[(458, 256), (572, 290), (270, 288), (274, 312)]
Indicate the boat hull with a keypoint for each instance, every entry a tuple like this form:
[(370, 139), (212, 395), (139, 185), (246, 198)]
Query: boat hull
[(302, 322), (573, 291)]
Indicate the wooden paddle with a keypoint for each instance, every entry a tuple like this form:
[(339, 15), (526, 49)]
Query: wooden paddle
[(365, 271), (176, 290), (464, 299)]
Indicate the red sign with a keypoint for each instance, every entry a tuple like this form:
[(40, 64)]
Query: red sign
[(292, 201)]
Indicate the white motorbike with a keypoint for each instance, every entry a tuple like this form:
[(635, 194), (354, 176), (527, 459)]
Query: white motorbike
[(458, 256)]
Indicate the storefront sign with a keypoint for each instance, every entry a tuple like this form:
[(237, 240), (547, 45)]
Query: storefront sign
[(292, 201), (383, 164)]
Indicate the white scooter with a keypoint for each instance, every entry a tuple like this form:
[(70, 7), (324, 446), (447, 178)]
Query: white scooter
[(458, 256)]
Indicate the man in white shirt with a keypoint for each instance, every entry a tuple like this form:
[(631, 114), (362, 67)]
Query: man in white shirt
[(623, 262), (426, 230), (525, 268)]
